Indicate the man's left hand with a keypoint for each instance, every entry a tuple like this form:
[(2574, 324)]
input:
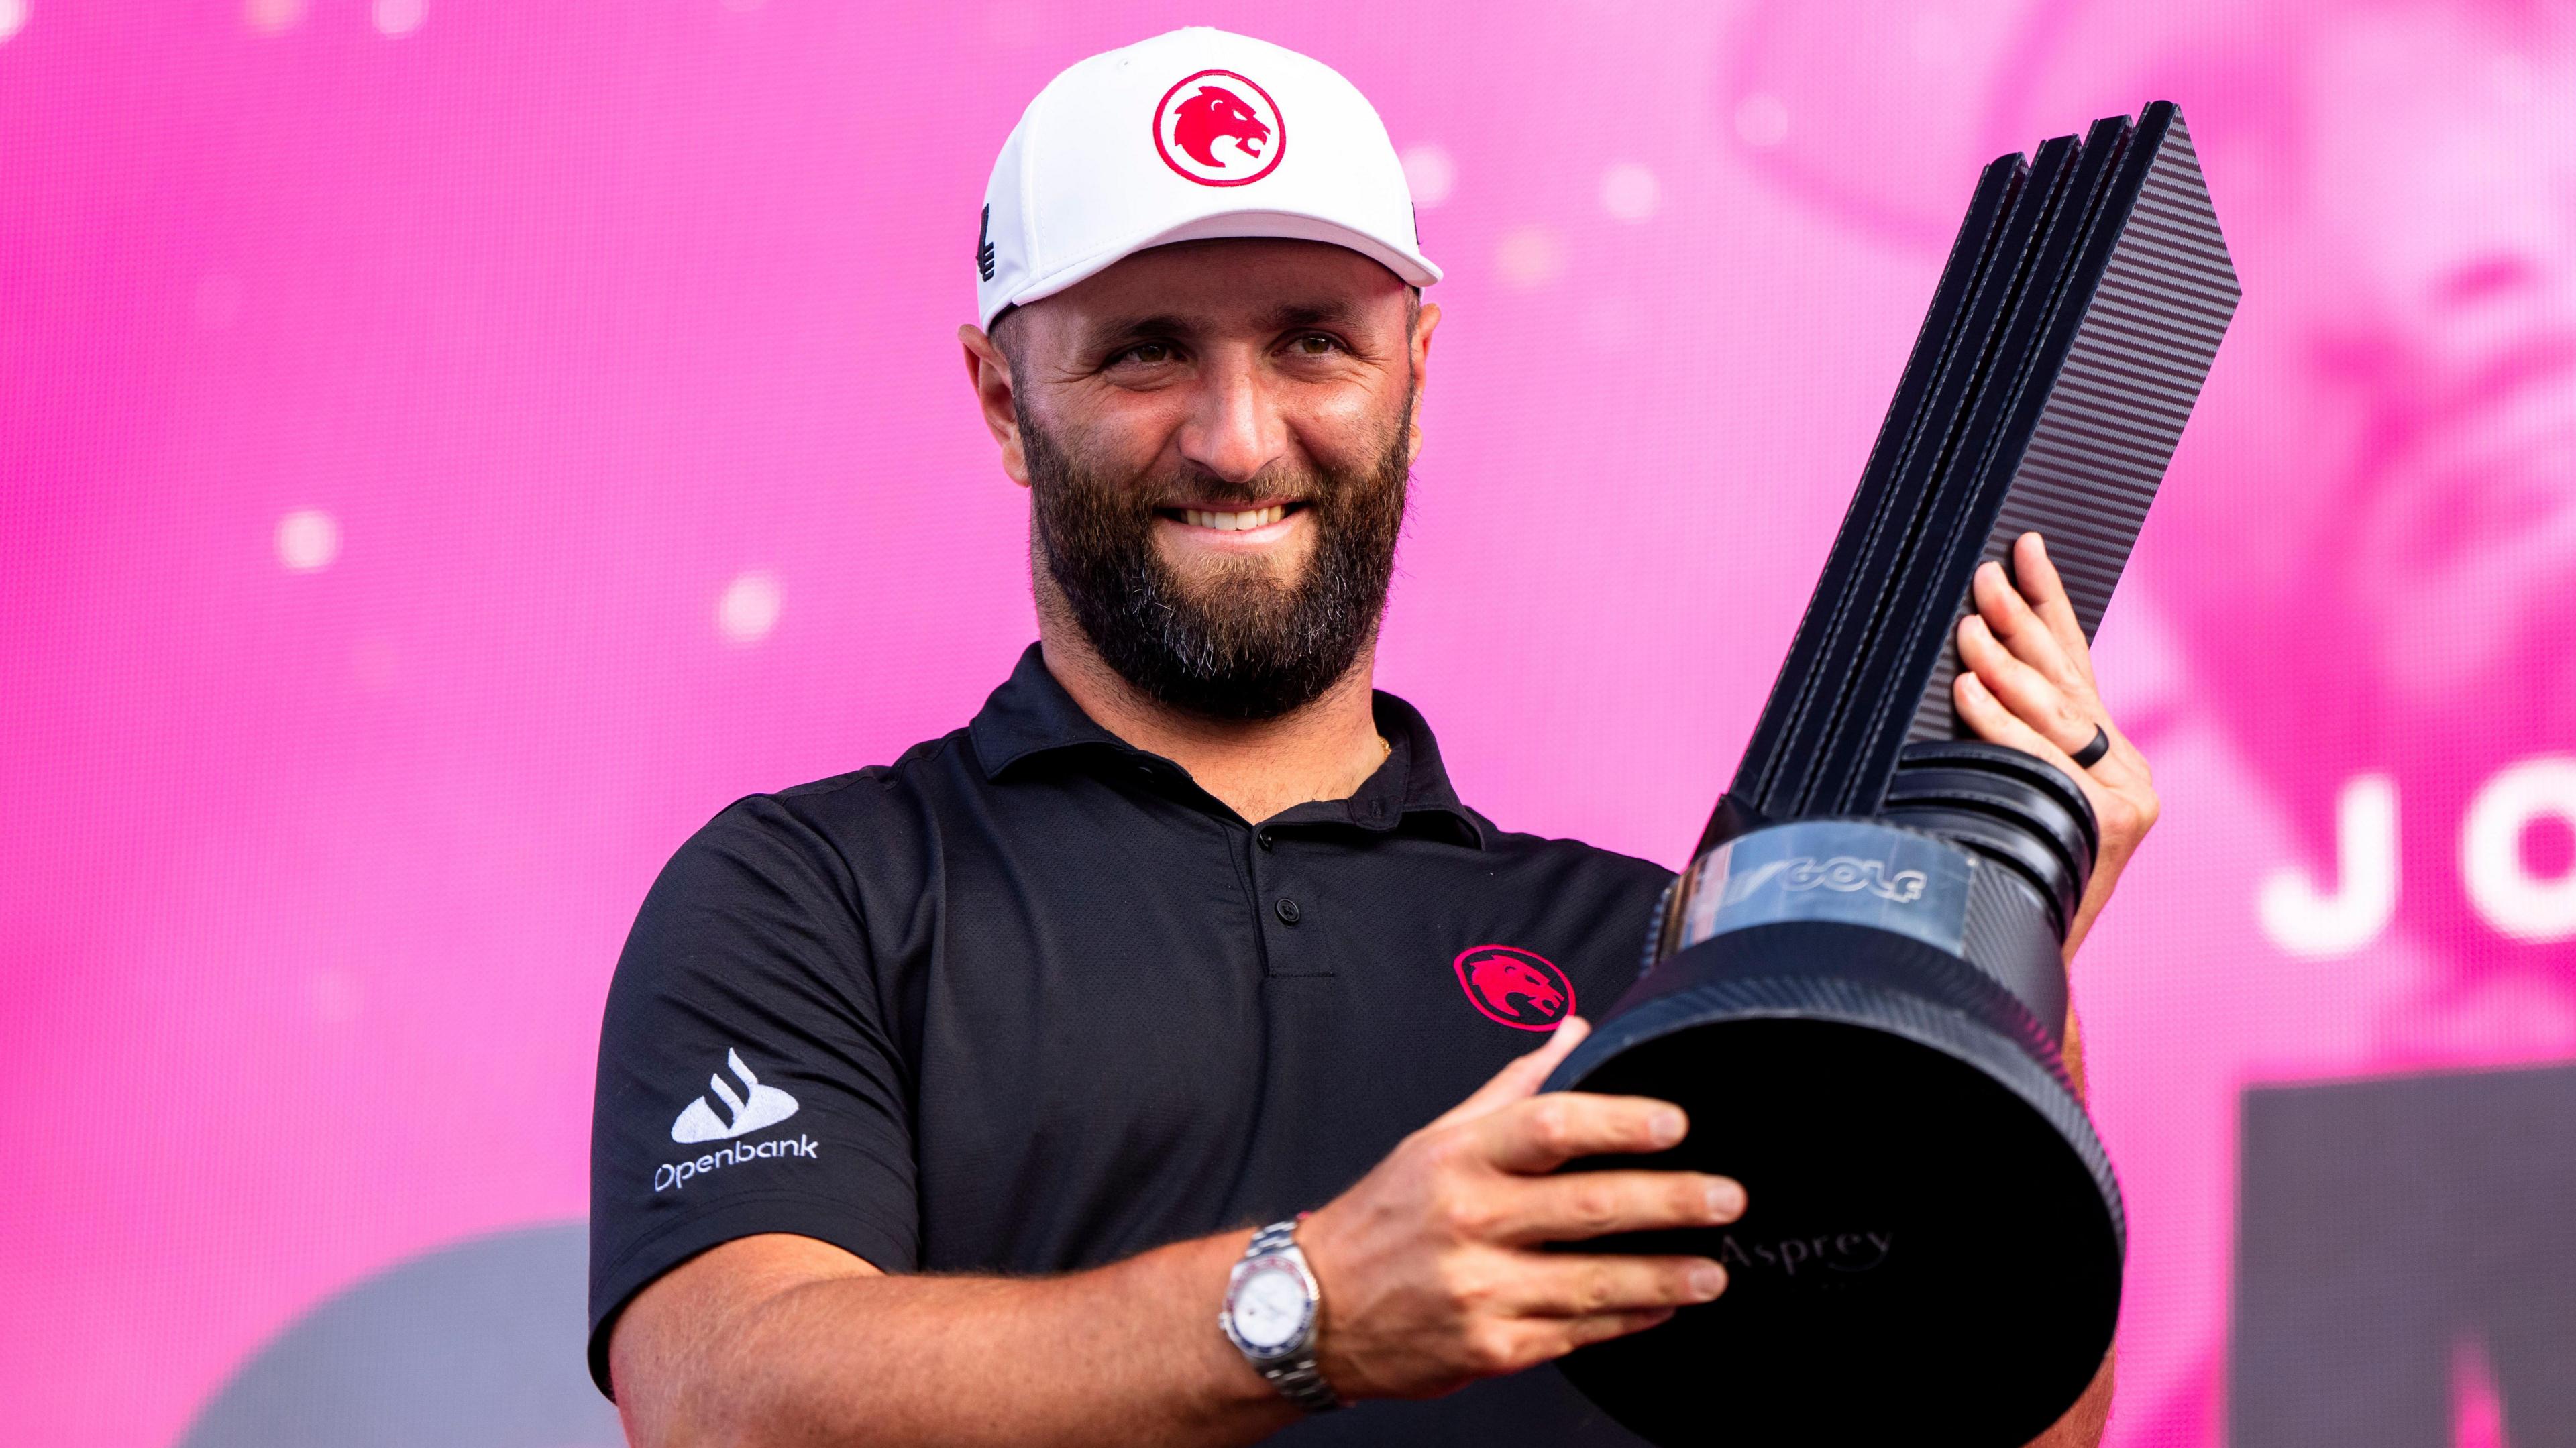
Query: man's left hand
[(2027, 681)]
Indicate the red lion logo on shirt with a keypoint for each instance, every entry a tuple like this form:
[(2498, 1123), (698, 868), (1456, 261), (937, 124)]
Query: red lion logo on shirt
[(1515, 987), (1211, 115)]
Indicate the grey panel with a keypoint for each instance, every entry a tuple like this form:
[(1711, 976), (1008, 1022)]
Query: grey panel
[(477, 1345), (2391, 1234)]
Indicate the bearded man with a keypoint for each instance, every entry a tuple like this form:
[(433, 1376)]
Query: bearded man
[(1007, 1047)]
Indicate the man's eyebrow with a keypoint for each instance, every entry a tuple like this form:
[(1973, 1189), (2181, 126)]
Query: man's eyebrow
[(1126, 331), (1118, 331), (1312, 314)]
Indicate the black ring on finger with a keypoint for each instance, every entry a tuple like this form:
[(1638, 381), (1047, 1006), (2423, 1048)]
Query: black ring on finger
[(2091, 754)]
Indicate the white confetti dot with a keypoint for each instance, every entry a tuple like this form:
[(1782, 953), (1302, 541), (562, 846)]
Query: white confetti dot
[(13, 17), (749, 608), (1630, 192), (272, 17), (1529, 256), (398, 18), (1430, 173), (307, 540), (1761, 120)]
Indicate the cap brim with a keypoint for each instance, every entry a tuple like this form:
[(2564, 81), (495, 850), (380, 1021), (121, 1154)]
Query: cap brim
[(1415, 268)]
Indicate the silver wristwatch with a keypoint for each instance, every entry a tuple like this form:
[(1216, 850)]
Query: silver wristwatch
[(1270, 1309)]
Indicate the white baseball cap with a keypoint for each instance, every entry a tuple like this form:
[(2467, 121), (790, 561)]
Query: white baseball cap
[(1198, 133)]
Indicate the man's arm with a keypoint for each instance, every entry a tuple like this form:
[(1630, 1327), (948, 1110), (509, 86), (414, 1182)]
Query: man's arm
[(783, 1339), (2029, 683), (1431, 1270)]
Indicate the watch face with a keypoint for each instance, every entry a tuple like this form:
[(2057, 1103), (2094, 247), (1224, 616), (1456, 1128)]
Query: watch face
[(1270, 1306)]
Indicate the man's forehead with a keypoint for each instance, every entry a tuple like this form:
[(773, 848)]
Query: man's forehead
[(1226, 284)]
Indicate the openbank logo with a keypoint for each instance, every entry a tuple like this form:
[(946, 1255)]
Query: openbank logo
[(747, 1110), (755, 1107)]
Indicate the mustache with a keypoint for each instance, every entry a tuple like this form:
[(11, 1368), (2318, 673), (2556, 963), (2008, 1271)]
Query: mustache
[(1195, 487)]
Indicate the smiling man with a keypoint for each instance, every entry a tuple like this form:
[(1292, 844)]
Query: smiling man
[(943, 1102)]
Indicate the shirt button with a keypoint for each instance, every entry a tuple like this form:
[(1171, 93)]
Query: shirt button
[(1264, 838), (1288, 911)]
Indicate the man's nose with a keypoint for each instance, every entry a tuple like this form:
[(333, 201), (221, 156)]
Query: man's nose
[(1234, 428)]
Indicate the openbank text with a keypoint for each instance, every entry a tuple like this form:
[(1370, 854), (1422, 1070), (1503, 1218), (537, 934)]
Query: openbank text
[(673, 1175)]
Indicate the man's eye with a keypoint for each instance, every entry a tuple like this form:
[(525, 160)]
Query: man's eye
[(1315, 344), (1150, 353)]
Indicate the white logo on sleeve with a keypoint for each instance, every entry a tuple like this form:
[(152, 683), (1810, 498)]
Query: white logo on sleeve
[(755, 1107), (747, 1110)]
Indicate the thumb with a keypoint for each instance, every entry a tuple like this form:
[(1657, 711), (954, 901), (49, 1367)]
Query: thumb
[(1521, 1078)]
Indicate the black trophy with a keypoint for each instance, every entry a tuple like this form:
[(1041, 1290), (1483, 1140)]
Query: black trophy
[(1855, 989)]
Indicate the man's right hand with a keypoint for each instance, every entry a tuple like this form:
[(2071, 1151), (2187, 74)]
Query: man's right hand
[(1433, 1268)]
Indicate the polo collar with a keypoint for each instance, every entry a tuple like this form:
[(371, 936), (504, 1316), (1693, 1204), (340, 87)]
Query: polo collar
[(1031, 716)]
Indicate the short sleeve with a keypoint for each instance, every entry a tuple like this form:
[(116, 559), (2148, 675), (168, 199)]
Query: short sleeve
[(748, 1081)]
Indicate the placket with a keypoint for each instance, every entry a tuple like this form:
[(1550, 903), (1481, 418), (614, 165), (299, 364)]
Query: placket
[(1280, 865)]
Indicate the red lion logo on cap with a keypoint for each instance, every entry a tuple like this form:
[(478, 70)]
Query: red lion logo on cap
[(1216, 105), (1213, 113), (1516, 987)]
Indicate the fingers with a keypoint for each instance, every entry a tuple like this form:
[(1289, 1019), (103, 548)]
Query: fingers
[(2009, 617), (2039, 702), (1545, 1132), (1584, 1205), (1998, 723), (2027, 681), (1546, 1284), (2045, 591), (2066, 720), (2123, 800), (1601, 1328), (1432, 1260), (1522, 1077), (1585, 1331)]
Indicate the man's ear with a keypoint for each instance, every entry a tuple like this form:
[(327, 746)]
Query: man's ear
[(1423, 326), (988, 370)]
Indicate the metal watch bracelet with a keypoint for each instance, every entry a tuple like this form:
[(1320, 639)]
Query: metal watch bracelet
[(1293, 1371)]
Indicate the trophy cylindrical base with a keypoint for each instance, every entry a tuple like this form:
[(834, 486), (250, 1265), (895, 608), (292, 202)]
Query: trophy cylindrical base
[(1933, 1243)]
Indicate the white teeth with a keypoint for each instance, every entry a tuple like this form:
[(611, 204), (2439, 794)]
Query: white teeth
[(1234, 522)]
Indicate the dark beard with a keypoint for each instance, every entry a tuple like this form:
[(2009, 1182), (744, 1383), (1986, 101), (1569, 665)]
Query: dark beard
[(1243, 647)]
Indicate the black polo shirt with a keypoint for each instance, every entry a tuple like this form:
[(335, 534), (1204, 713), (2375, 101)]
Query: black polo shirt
[(1029, 1000)]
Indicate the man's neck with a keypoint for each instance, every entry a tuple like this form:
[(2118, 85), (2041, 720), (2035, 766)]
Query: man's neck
[(1258, 767)]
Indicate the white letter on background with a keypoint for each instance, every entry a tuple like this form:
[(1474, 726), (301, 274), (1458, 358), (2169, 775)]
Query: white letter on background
[(2305, 921), (2513, 900)]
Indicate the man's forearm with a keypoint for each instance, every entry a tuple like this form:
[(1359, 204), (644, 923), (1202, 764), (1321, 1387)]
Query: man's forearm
[(1121, 1354), (1435, 1269)]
